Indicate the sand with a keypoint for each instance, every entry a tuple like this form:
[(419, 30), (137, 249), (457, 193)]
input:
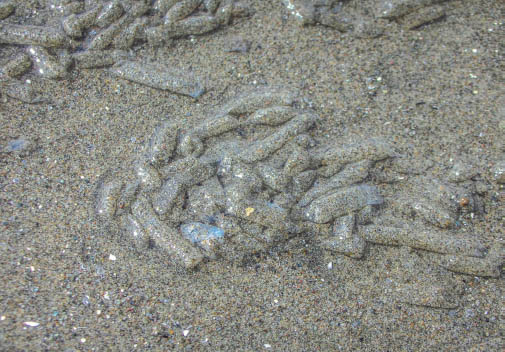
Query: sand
[(69, 285)]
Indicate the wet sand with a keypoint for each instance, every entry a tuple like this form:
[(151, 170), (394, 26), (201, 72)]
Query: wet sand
[(440, 96)]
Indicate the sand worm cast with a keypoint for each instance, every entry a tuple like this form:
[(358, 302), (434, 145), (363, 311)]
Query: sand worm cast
[(365, 18), (250, 175), (181, 18), (97, 34)]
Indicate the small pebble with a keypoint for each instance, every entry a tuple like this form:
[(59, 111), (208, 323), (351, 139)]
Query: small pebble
[(464, 202)]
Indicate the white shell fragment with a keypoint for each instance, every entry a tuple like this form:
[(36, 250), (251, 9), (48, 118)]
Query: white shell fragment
[(32, 324)]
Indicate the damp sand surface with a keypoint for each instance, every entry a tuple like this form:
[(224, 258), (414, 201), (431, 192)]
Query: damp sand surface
[(436, 93)]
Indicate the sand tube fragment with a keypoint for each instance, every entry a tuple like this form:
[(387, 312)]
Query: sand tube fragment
[(163, 78), (164, 236)]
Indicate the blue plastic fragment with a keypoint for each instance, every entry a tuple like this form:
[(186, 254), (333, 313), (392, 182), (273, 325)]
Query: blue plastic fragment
[(197, 232), (17, 145)]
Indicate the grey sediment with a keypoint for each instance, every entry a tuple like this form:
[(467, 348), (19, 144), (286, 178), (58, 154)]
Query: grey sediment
[(270, 280)]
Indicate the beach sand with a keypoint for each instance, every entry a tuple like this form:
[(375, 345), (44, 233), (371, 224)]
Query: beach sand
[(69, 285)]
